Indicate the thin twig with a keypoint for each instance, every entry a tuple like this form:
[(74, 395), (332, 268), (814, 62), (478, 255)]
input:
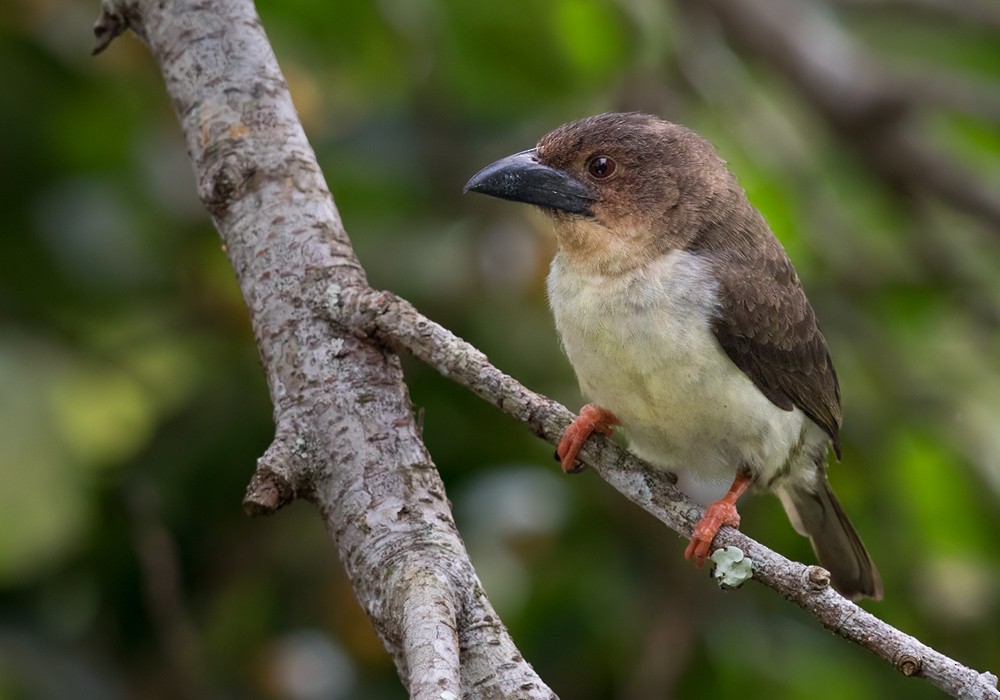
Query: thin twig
[(346, 438), (397, 323)]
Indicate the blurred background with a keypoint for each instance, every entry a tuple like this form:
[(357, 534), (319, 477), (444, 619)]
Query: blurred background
[(132, 405)]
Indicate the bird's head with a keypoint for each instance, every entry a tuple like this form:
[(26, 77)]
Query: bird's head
[(622, 188)]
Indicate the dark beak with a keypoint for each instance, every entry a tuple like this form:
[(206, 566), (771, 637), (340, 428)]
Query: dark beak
[(522, 178)]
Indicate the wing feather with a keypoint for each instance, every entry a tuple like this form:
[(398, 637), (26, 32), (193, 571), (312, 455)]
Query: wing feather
[(768, 329)]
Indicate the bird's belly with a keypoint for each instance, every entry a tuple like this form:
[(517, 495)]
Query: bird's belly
[(682, 403), (687, 407)]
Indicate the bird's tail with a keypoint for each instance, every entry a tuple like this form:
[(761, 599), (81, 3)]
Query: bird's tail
[(817, 515)]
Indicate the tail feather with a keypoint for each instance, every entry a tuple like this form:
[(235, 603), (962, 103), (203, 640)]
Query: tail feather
[(818, 515)]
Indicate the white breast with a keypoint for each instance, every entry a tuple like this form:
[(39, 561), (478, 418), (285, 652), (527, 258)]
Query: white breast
[(642, 347)]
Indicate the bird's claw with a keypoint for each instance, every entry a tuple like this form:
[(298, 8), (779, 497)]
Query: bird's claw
[(575, 469), (717, 514), (592, 419)]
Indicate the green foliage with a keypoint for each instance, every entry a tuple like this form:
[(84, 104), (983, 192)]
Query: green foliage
[(132, 406)]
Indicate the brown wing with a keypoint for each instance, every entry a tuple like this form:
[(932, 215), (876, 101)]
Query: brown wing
[(768, 329)]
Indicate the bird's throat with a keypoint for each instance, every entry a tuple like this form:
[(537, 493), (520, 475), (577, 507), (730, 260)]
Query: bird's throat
[(592, 248)]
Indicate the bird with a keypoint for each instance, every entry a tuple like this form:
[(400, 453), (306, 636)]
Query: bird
[(687, 326)]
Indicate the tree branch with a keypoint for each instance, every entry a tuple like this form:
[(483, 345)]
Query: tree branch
[(855, 95), (396, 322), (976, 13), (346, 437)]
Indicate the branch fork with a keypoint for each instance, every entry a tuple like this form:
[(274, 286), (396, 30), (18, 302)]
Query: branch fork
[(346, 438)]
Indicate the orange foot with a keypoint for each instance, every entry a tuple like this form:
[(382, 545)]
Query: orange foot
[(721, 512), (592, 419)]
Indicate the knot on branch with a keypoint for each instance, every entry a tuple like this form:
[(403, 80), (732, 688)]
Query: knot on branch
[(226, 177), (817, 578), (273, 484), (116, 17), (108, 26), (359, 309), (267, 492), (908, 664)]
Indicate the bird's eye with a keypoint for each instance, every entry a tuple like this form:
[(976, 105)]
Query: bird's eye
[(601, 167)]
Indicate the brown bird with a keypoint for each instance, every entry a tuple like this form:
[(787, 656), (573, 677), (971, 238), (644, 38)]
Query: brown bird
[(686, 325)]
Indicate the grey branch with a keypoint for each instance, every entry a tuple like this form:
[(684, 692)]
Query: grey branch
[(397, 323), (345, 435)]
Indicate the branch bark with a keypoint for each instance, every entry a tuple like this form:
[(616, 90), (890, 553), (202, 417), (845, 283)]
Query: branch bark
[(395, 321), (345, 436)]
